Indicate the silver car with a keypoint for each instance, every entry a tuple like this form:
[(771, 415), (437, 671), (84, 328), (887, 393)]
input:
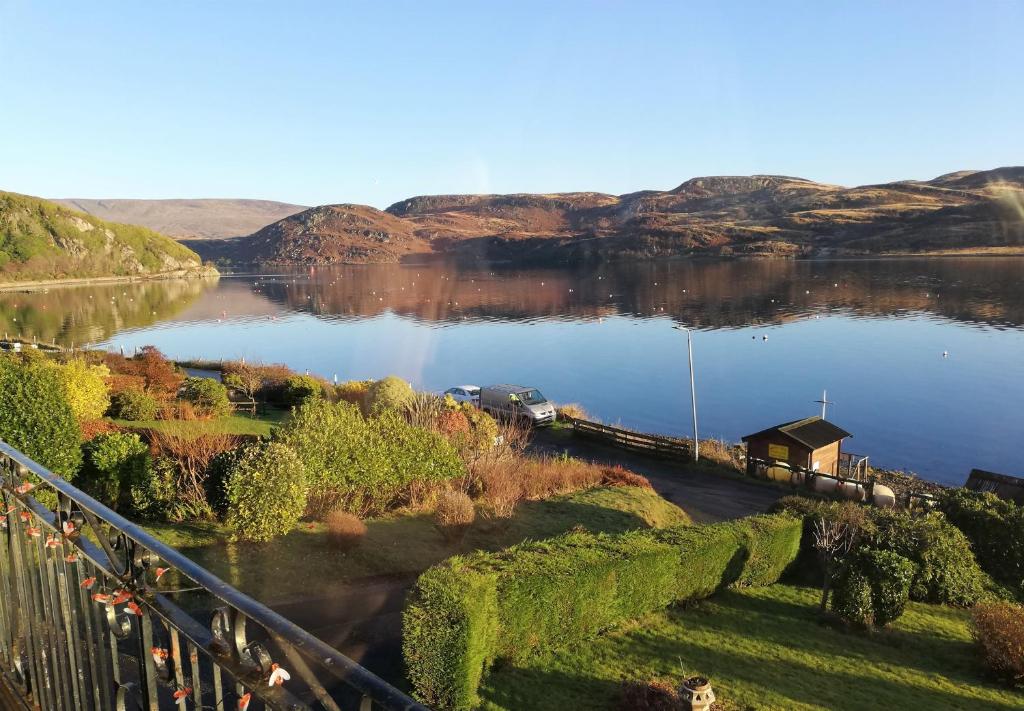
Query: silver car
[(465, 393), (516, 402)]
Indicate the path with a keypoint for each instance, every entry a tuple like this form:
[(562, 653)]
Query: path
[(706, 496)]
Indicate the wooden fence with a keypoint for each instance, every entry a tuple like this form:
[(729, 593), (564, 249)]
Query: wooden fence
[(655, 445)]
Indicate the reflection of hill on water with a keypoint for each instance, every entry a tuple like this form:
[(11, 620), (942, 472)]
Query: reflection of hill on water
[(724, 294), (90, 313)]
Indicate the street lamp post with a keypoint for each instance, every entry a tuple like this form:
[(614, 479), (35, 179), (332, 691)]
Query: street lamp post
[(693, 391)]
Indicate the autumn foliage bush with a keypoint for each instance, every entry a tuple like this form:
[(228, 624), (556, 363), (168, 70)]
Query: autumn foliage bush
[(454, 513), (345, 531), (998, 630)]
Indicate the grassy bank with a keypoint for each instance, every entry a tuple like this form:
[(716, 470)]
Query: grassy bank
[(303, 564), (764, 648), (235, 424)]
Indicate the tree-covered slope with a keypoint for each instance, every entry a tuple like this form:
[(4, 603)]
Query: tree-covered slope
[(42, 240)]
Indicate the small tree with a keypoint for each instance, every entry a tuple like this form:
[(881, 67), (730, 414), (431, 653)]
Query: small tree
[(833, 539), (244, 378), (266, 492)]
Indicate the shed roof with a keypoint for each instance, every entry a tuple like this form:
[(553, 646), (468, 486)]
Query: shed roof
[(813, 432)]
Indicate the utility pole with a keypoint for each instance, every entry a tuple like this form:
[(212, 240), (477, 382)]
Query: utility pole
[(693, 391), (825, 402)]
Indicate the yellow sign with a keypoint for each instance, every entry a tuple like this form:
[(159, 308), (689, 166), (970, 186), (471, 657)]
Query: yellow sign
[(778, 451)]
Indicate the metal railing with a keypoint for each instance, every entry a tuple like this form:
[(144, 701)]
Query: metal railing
[(95, 613)]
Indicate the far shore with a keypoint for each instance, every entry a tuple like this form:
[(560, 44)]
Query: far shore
[(204, 273)]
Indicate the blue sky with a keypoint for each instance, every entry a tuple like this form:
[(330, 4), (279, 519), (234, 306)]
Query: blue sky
[(318, 102)]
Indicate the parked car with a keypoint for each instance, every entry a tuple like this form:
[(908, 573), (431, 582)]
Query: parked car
[(465, 393), (517, 402)]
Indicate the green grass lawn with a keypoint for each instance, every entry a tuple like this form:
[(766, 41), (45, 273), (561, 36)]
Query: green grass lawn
[(236, 423), (764, 648), (303, 564)]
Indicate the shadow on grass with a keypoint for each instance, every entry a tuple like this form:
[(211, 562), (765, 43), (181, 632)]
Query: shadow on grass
[(762, 649)]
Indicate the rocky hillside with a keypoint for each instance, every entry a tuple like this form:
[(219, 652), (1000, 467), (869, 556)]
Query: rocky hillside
[(756, 215), (40, 240), (189, 219)]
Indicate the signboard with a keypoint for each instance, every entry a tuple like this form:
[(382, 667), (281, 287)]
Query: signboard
[(778, 451)]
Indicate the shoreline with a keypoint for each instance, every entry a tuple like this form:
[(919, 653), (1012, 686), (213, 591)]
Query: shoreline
[(204, 273)]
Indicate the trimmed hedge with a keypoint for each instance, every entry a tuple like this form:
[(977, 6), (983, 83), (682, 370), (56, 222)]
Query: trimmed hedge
[(469, 611), (873, 587)]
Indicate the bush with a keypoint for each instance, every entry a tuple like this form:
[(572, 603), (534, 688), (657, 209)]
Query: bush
[(345, 531), (872, 588), (113, 464), (36, 417), (995, 528), (453, 514), (91, 428), (619, 476), (134, 406), (353, 391), (364, 466), (945, 570), (998, 630), (299, 389), (266, 491), (154, 497), (209, 397), (453, 424), (190, 455), (572, 411), (85, 387), (160, 376), (472, 610), (390, 393)]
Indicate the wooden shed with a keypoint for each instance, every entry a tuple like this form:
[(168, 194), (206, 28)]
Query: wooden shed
[(1002, 485), (811, 443)]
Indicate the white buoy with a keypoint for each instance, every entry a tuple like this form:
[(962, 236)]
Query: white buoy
[(764, 337), (945, 354)]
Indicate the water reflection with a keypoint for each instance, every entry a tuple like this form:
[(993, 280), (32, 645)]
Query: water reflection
[(76, 315), (707, 295)]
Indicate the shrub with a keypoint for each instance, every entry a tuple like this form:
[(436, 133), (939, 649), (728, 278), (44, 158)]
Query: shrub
[(91, 428), (995, 528), (453, 424), (619, 476), (390, 393), (85, 387), (154, 496), (998, 630), (872, 588), (299, 389), (345, 531), (209, 397), (528, 599), (266, 491), (113, 463), (572, 411), (353, 391), (453, 514), (655, 695), (364, 466), (190, 455), (134, 406), (36, 418), (945, 570), (160, 376)]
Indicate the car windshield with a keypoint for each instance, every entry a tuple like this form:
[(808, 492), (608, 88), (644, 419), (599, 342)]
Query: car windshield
[(531, 397)]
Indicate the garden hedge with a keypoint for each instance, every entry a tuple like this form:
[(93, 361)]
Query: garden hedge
[(472, 610)]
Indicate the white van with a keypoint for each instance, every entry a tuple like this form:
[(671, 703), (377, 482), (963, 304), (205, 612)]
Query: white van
[(517, 402)]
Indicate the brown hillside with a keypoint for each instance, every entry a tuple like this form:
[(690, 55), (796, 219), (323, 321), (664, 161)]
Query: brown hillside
[(759, 214)]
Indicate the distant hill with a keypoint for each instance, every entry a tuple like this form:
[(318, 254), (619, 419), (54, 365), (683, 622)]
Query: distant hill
[(725, 215), (192, 219), (40, 240)]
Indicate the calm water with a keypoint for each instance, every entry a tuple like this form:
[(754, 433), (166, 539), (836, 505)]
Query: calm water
[(872, 333)]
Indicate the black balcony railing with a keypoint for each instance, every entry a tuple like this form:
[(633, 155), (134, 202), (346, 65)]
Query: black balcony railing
[(97, 614)]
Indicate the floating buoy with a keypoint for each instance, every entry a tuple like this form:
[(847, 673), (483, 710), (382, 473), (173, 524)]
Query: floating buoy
[(945, 354)]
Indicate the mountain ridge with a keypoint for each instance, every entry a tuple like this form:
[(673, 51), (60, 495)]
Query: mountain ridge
[(757, 215)]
